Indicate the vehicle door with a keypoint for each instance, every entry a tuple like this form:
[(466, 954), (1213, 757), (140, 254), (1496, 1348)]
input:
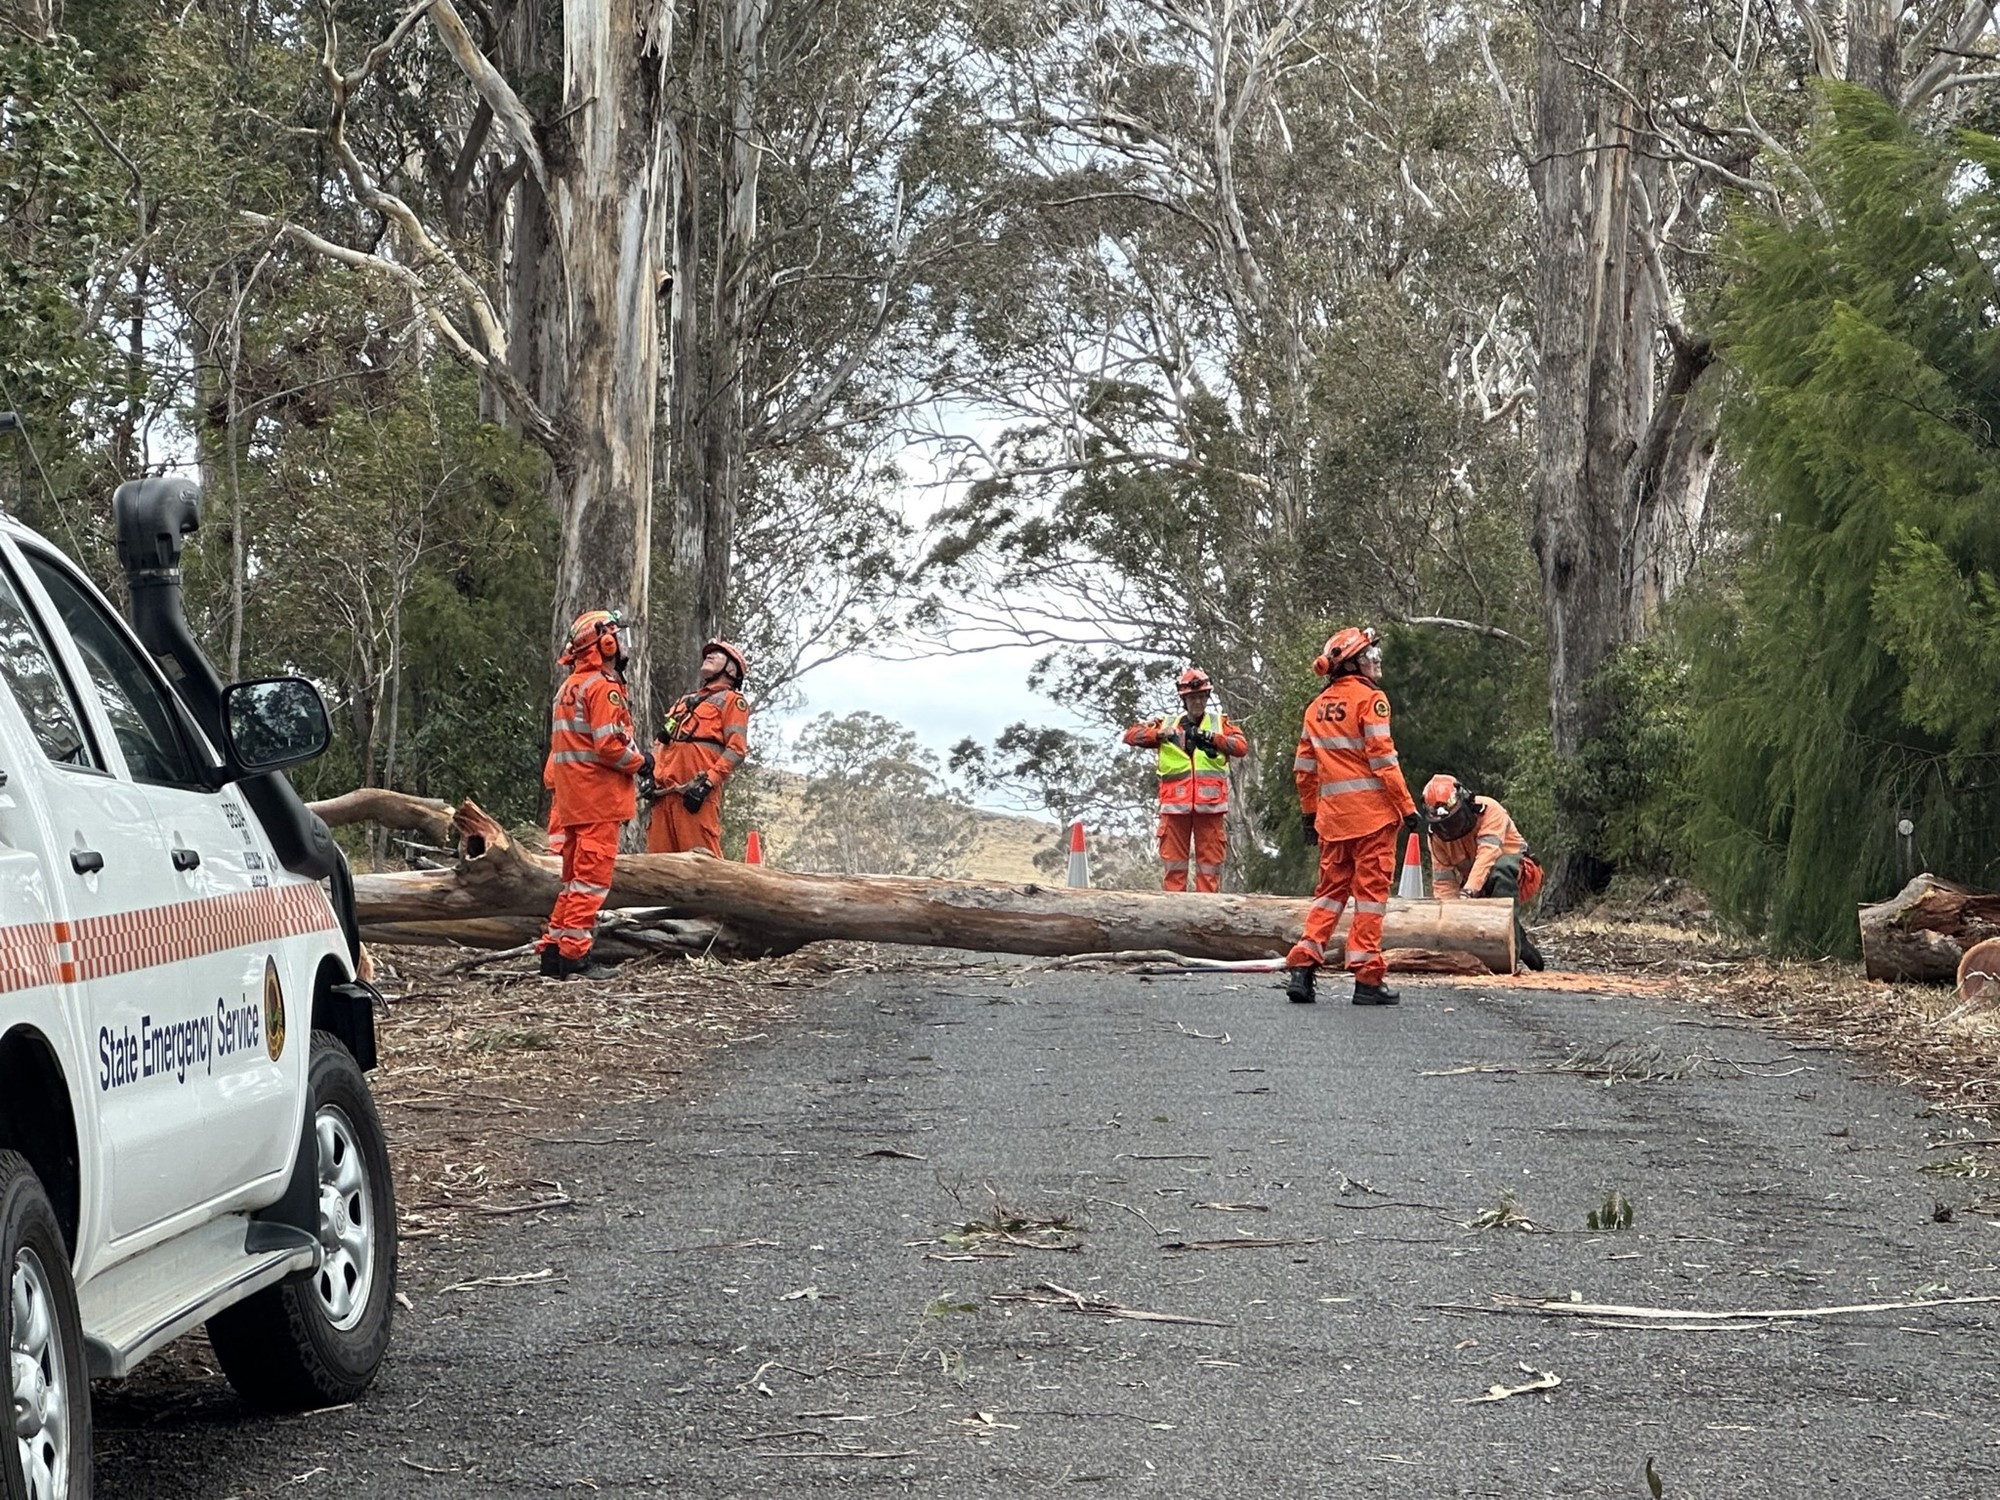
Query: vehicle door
[(219, 921), (100, 872)]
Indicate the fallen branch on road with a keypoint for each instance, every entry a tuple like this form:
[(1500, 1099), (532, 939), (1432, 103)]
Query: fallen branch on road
[(1048, 1294), (1611, 1314), (1545, 1380)]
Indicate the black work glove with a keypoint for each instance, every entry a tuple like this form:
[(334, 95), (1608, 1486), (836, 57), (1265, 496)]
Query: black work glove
[(1413, 822), (1201, 740), (1309, 830), (696, 792), (645, 772)]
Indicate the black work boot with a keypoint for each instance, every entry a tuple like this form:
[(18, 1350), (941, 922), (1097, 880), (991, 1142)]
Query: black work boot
[(552, 962), (586, 968), (1299, 986), (1527, 952), (1375, 994)]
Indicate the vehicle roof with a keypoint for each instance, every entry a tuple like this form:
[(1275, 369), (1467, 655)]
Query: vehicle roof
[(20, 531)]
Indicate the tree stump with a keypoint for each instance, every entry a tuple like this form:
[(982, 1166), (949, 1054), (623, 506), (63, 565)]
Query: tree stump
[(1923, 931)]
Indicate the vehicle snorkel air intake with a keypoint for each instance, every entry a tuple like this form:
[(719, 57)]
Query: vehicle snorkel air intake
[(153, 519)]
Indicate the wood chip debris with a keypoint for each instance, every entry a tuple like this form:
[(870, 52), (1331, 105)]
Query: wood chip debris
[(1544, 1380), (1244, 1242), (890, 1153), (1048, 1294)]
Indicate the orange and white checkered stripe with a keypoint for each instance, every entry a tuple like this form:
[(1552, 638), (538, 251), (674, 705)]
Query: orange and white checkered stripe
[(27, 956), (37, 953)]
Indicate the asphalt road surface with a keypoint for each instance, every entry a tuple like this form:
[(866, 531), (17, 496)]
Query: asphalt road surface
[(825, 1270)]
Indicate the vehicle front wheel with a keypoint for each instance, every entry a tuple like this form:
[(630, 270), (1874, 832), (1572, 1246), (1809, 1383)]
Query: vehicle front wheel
[(318, 1341), (48, 1377)]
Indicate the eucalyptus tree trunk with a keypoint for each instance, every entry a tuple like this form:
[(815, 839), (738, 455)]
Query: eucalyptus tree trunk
[(705, 403), (584, 296), (1625, 448)]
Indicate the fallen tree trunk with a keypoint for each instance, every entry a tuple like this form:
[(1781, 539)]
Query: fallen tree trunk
[(1923, 930), (374, 804), (769, 912)]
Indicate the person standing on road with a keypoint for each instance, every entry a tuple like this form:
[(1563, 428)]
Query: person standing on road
[(701, 743), (593, 769), (1194, 754), (1476, 851), (1352, 798)]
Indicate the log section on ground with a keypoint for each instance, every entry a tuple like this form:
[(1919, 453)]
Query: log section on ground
[(769, 911), (1924, 929)]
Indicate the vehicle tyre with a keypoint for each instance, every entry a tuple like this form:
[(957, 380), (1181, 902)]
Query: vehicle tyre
[(47, 1456), (318, 1340)]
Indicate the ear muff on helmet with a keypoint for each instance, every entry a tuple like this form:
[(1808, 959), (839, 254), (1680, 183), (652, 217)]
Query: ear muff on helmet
[(1344, 647), (594, 634)]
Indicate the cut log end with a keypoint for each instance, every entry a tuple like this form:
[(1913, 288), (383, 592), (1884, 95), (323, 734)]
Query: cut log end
[(1979, 973)]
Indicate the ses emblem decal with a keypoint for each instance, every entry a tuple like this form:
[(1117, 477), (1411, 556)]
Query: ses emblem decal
[(274, 1011)]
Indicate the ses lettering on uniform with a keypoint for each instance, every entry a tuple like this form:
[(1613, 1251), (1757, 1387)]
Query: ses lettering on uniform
[(127, 1057)]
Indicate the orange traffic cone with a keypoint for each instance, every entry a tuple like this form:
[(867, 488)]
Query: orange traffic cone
[(1411, 886), (1079, 861), (753, 849)]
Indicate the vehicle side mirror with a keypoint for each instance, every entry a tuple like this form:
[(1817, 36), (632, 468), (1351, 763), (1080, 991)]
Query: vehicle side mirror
[(274, 722)]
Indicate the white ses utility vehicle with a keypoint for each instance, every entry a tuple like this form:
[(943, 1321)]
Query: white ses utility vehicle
[(186, 1134)]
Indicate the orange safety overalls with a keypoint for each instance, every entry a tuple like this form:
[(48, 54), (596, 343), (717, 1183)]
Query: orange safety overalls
[(706, 733), (592, 765), (1351, 786)]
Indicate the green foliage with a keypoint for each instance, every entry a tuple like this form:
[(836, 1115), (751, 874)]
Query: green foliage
[(60, 204), (1847, 681), (402, 557), (1635, 771)]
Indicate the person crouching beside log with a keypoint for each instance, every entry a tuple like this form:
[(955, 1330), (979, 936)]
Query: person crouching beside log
[(1476, 851), (702, 741), (1352, 800), (1194, 754), (593, 771)]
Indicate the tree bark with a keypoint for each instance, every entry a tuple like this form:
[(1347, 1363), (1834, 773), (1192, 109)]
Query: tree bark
[(1923, 931), (1625, 442), (773, 912), (706, 406), (584, 297), (373, 804)]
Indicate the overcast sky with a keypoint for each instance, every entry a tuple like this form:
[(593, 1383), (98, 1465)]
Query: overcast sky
[(942, 698)]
